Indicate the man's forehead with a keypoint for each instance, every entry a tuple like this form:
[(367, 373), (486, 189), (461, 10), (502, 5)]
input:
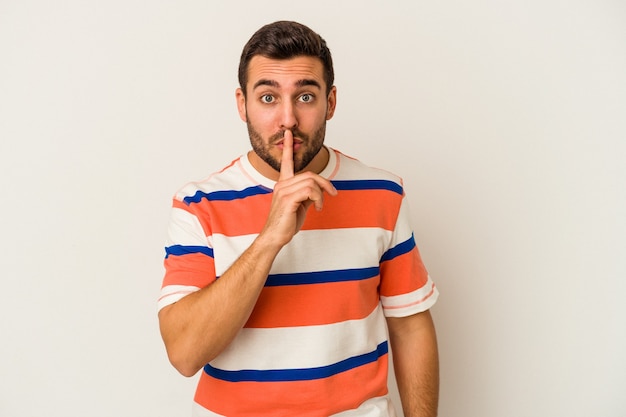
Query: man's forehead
[(301, 70)]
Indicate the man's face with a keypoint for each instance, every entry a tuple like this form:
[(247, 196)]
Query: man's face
[(286, 95)]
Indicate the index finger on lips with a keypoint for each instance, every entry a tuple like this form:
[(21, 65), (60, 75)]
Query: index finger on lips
[(286, 162)]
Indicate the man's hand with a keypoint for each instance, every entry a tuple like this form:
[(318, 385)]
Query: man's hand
[(293, 195)]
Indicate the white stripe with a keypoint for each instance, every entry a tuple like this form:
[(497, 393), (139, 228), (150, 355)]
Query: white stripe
[(414, 302), (374, 407), (199, 411), (313, 250), (303, 347), (173, 293), (403, 229), (229, 178), (228, 249), (185, 229), (353, 169)]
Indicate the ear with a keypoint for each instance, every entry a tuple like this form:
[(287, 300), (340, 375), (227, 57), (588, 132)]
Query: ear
[(332, 103), (241, 104)]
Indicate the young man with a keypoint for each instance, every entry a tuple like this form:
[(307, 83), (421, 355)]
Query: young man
[(287, 269)]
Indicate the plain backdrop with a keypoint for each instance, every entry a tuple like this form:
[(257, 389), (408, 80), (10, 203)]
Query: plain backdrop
[(506, 120)]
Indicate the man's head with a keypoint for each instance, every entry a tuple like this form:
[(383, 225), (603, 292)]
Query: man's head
[(286, 78), (284, 40)]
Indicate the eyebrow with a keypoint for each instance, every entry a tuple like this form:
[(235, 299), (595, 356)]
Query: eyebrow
[(300, 83)]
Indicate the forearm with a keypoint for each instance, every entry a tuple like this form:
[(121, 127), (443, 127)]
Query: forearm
[(199, 327), (416, 364)]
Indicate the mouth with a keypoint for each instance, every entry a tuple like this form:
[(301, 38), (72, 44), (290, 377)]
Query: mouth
[(297, 143)]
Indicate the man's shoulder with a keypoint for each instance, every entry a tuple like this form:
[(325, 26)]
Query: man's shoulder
[(351, 168), (228, 178)]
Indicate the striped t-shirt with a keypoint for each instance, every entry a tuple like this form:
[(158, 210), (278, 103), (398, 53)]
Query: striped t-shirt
[(316, 342)]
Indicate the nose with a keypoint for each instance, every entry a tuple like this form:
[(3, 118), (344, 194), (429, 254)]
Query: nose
[(288, 117)]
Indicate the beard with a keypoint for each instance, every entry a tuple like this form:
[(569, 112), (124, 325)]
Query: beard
[(311, 145)]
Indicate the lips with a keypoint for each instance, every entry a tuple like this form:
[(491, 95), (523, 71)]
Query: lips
[(297, 143)]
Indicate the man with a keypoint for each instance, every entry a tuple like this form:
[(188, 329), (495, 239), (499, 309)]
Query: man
[(286, 269)]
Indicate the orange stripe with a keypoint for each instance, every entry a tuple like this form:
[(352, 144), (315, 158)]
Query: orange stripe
[(356, 208), (350, 208), (238, 217), (180, 205), (320, 397), (313, 304), (191, 269), (399, 266), (231, 218)]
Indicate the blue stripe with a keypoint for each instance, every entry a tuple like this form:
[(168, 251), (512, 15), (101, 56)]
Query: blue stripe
[(179, 250), (321, 277), (259, 190), (369, 185), (227, 195), (400, 249), (302, 374)]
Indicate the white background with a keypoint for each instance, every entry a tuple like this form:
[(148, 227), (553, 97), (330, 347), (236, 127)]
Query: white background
[(506, 119)]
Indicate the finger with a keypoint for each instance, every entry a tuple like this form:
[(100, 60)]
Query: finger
[(316, 184), (286, 162), (328, 187), (314, 192), (318, 197), (324, 184)]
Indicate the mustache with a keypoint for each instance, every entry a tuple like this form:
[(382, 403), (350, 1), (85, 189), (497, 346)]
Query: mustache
[(278, 136)]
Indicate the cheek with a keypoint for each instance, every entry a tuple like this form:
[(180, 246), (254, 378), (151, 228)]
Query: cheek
[(313, 118), (262, 120)]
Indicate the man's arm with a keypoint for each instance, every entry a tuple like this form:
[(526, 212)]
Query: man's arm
[(416, 363), (201, 325)]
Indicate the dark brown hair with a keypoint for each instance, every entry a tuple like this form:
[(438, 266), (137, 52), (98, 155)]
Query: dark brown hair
[(285, 40)]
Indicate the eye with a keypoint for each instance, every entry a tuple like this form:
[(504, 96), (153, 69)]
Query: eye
[(306, 98), (267, 98)]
